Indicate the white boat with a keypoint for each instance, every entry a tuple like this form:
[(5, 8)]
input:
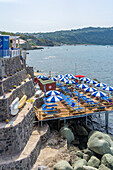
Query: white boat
[(38, 93), (37, 87), (14, 106)]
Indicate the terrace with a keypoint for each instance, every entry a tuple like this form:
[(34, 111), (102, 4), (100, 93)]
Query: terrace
[(75, 103)]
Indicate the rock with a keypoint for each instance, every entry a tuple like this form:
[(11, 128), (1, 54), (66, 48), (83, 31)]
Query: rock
[(52, 142), (94, 162), (62, 165), (79, 154), (86, 157), (67, 134), (100, 143), (78, 158), (107, 160), (76, 141), (103, 167), (79, 164), (81, 131), (88, 152), (89, 168)]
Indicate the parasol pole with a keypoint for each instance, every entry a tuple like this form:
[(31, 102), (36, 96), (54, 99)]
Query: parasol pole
[(75, 68)]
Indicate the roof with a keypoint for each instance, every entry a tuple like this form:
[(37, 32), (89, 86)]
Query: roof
[(46, 81), (14, 37)]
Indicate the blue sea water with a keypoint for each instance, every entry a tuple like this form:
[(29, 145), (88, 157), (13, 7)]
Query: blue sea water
[(91, 60)]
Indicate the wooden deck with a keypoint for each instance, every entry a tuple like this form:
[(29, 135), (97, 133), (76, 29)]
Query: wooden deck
[(66, 112)]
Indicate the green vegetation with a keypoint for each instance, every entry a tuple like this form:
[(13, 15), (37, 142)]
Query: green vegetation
[(90, 35)]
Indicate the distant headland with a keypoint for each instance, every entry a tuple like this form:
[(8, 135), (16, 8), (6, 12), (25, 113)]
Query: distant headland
[(89, 35)]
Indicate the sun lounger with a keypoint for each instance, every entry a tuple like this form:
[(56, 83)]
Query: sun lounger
[(50, 109), (49, 105), (51, 112), (58, 84), (79, 109)]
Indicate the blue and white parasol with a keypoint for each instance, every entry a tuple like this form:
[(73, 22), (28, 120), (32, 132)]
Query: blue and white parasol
[(98, 94), (63, 79), (60, 76), (54, 99), (67, 75), (53, 93), (41, 76), (90, 89), (100, 85), (92, 82), (108, 88), (53, 78), (71, 77), (84, 79), (69, 82), (82, 86)]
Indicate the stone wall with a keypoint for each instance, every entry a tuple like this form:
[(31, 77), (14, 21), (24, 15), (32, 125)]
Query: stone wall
[(2, 71), (30, 71), (10, 81), (12, 64), (13, 139), (26, 88), (28, 162), (1, 91)]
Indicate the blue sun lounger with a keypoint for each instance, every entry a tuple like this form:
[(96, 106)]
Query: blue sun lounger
[(78, 109), (50, 109), (49, 105), (51, 112)]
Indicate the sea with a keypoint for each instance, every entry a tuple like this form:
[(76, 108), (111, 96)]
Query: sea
[(92, 61)]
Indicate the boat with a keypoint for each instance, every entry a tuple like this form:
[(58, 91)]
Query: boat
[(38, 93), (37, 87), (14, 106), (22, 101)]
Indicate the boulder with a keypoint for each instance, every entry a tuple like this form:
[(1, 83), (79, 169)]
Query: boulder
[(81, 131), (62, 165), (79, 154), (78, 165), (86, 157), (100, 143), (88, 152), (103, 167), (107, 160), (67, 134), (89, 168), (94, 162)]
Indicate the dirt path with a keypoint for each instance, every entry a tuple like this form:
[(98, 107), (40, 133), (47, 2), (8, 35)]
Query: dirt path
[(54, 150)]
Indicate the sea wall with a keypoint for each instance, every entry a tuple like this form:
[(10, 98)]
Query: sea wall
[(14, 138), (26, 88), (28, 162), (15, 79), (12, 64), (30, 71)]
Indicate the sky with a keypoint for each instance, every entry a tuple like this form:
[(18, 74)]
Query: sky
[(54, 15)]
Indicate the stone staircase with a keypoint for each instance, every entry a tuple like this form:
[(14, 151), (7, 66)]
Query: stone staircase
[(20, 141), (27, 158)]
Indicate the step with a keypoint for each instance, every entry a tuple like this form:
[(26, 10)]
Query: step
[(20, 116), (7, 95), (29, 154)]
